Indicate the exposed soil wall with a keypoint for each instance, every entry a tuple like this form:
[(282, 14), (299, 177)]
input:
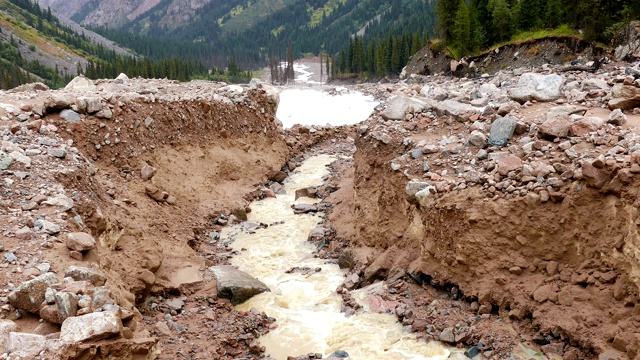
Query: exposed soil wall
[(535, 52), (569, 267)]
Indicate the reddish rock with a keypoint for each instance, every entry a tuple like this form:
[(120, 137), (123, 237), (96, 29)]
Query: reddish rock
[(585, 126), (80, 241), (595, 177), (543, 293), (556, 127), (507, 164)]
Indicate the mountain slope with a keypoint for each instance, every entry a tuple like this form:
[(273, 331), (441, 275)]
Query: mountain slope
[(217, 31)]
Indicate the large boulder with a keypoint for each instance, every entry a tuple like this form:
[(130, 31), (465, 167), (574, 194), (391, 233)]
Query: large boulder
[(236, 285), (501, 131), (456, 109), (537, 87), (93, 326), (81, 83), (624, 97), (30, 295), (25, 346), (399, 105)]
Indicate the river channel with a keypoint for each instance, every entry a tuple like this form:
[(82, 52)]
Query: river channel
[(307, 307)]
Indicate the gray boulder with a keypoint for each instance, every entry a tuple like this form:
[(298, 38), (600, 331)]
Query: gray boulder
[(399, 105), (236, 285), (537, 87), (81, 83), (70, 115), (501, 131), (30, 295), (456, 109)]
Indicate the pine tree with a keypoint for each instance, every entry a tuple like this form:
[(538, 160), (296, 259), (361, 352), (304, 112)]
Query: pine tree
[(529, 14), (502, 22), (553, 13), (446, 11), (461, 34)]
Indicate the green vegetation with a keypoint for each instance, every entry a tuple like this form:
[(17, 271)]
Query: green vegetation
[(39, 28), (388, 41), (372, 58), (469, 26)]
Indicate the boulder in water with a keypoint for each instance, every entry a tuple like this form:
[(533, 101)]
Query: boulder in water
[(236, 285)]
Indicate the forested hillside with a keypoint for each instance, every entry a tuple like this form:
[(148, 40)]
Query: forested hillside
[(469, 26), (248, 31), (465, 27), (29, 32)]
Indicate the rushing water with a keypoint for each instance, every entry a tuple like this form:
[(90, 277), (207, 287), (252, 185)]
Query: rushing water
[(307, 307)]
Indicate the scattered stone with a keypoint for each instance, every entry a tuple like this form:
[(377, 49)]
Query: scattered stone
[(507, 164), (81, 84), (67, 304), (61, 201), (80, 241), (413, 187), (236, 285), (501, 131), (79, 273), (556, 127), (155, 193), (447, 335), (304, 208), (93, 326), (30, 295), (23, 345), (617, 117), (70, 115), (477, 139), (147, 172), (398, 106), (457, 109), (624, 97)]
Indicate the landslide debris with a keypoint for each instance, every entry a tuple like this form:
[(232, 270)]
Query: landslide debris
[(502, 214), (113, 193)]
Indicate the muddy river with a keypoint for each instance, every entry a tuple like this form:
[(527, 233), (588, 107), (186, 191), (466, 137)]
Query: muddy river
[(307, 307)]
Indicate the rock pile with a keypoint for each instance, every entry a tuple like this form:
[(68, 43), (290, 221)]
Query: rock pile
[(80, 308), (480, 136)]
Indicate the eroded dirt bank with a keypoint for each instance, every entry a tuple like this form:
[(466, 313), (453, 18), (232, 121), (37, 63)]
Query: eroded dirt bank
[(537, 232), (146, 170)]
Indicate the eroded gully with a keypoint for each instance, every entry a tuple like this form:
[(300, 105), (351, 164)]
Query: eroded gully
[(307, 307)]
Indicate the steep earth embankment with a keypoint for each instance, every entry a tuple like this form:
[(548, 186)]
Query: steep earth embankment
[(518, 195), (128, 181), (535, 52)]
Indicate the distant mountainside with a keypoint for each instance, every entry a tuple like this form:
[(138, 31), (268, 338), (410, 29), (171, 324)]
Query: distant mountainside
[(244, 30), (36, 46)]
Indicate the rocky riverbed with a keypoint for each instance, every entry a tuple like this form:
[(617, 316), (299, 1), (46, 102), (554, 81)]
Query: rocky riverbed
[(496, 214)]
